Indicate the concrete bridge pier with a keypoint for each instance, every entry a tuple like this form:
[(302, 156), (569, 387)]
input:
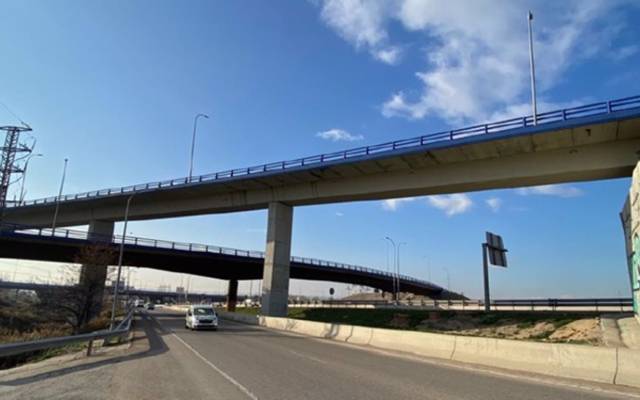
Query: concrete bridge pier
[(93, 276), (275, 285), (232, 295)]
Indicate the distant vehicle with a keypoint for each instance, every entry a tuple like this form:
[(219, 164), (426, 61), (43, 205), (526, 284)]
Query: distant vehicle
[(150, 306), (201, 316), (138, 303)]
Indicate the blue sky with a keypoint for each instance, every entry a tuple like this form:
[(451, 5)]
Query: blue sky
[(115, 86)]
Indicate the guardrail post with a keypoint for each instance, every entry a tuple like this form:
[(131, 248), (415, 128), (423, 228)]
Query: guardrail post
[(89, 348), (621, 307)]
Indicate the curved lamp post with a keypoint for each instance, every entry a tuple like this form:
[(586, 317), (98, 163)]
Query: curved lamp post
[(193, 142)]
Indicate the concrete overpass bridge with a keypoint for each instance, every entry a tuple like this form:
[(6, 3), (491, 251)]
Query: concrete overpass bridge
[(62, 245), (591, 142)]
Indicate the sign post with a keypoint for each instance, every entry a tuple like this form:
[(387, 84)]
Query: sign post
[(497, 256)]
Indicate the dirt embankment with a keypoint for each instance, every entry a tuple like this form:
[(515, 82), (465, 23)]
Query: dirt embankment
[(523, 327)]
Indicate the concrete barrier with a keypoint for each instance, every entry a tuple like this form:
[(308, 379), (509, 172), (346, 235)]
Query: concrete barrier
[(600, 364), (239, 317), (628, 367), (566, 360), (421, 343)]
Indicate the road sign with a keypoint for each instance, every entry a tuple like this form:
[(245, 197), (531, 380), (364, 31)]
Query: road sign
[(497, 256), (497, 252)]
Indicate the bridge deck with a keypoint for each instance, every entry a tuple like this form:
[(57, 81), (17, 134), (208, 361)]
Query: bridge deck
[(197, 259), (595, 141)]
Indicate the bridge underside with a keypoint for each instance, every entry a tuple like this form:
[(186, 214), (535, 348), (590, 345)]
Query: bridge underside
[(210, 265)]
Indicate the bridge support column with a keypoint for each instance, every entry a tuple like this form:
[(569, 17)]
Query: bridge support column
[(275, 286), (232, 295), (92, 276)]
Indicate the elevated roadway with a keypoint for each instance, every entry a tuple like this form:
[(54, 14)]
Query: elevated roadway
[(196, 259), (595, 141)]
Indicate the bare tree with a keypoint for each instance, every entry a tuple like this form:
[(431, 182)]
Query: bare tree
[(82, 300)]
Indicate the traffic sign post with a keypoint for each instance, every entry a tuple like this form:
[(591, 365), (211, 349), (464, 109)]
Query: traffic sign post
[(494, 247)]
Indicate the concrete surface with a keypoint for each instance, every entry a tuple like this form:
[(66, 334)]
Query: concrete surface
[(630, 332), (621, 330), (249, 362), (277, 260), (599, 364)]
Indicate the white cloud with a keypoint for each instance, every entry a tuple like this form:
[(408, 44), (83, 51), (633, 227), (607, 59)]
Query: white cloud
[(476, 52), (339, 214), (625, 52), (362, 23), (337, 135), (393, 204), (564, 191), (494, 203), (390, 55), (451, 204)]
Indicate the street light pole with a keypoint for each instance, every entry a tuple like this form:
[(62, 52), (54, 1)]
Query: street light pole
[(398, 270), (533, 71), (446, 270), (122, 239), (394, 257), (55, 213), (193, 142)]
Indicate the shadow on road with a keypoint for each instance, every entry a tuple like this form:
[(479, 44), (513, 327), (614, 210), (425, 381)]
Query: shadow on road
[(152, 333)]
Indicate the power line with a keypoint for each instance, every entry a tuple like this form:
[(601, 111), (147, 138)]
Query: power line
[(14, 115)]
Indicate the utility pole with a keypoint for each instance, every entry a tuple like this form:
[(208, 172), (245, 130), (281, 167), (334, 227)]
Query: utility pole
[(122, 240), (11, 147), (533, 70)]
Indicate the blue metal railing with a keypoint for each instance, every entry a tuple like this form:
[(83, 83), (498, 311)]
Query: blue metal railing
[(7, 229), (605, 107)]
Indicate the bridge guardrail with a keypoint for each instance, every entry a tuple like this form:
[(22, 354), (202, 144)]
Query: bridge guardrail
[(10, 349), (600, 108), (164, 244), (598, 304)]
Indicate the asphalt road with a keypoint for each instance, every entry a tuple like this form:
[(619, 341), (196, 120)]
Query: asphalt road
[(246, 362)]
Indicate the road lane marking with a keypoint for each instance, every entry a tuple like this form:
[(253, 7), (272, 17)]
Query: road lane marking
[(590, 387), (218, 370), (308, 357)]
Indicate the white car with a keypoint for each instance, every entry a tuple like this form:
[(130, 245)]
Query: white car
[(201, 316)]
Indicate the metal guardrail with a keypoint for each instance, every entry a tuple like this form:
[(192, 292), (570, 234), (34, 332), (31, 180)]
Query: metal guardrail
[(601, 108), (123, 328), (623, 304), (193, 247)]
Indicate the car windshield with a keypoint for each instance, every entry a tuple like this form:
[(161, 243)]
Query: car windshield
[(203, 311)]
